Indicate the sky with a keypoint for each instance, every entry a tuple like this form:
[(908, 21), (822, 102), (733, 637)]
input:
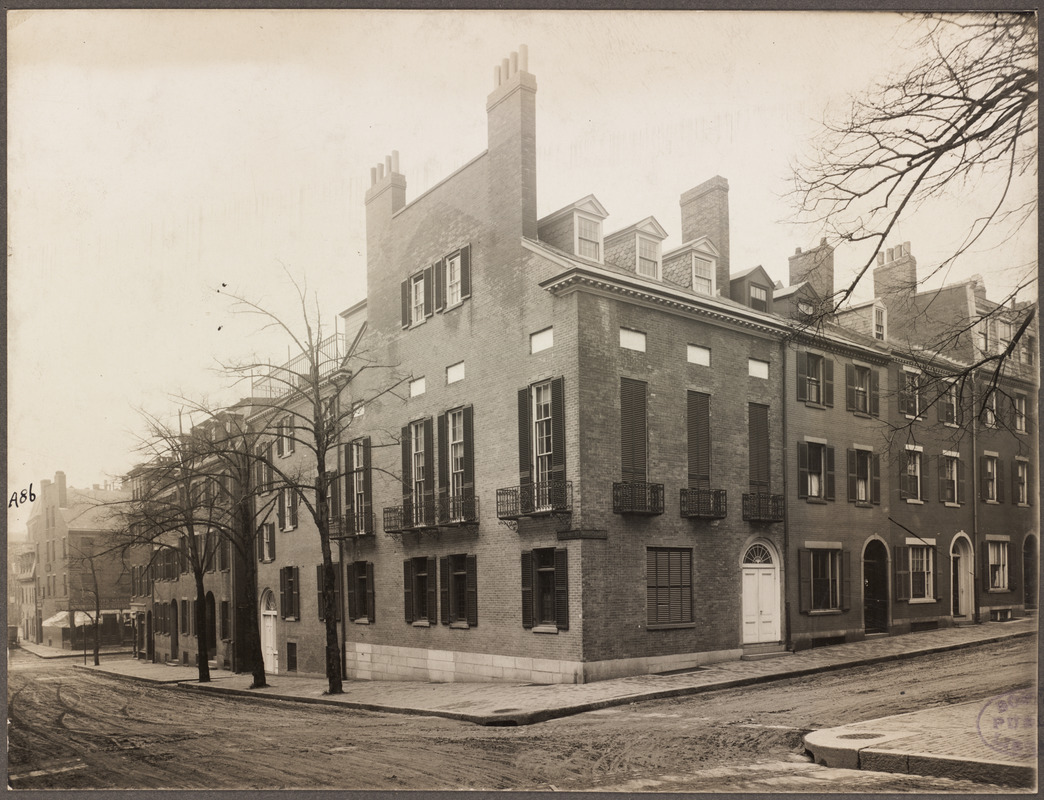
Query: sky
[(161, 161)]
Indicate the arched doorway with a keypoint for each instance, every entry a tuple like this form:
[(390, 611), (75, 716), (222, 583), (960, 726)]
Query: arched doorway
[(150, 649), (174, 619), (268, 633), (760, 594), (962, 578), (1029, 571), (875, 587), (211, 627)]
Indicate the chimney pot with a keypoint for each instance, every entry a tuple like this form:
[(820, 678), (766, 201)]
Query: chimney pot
[(880, 259), (388, 164), (395, 161), (505, 69), (496, 77), (891, 255), (514, 63), (523, 57), (797, 251), (380, 172), (906, 248), (59, 478), (373, 175)]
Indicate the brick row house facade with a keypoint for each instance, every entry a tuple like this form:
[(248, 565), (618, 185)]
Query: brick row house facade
[(608, 458)]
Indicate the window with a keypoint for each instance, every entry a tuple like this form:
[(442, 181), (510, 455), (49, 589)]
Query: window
[(419, 590), (455, 372), (357, 486), (287, 510), (862, 390), (417, 295), (815, 471), (1018, 405), (545, 589), (815, 379), (805, 308), (864, 476), (698, 355), (983, 335), (457, 465), (543, 434), (285, 436), (758, 297), (417, 387), (698, 424), (648, 257), (1027, 354), (289, 593), (911, 393), (879, 324), (1003, 335), (633, 431), (823, 575), (991, 488), (589, 238), (459, 590), (668, 586), (1022, 482), (948, 404), (922, 585), (912, 485), (541, 340), (757, 368), (418, 476), (338, 584), (455, 420), (360, 591), (702, 275), (997, 558), (632, 340), (452, 280), (541, 445), (989, 410), (951, 478), (453, 294), (758, 447), (266, 542), (418, 470)]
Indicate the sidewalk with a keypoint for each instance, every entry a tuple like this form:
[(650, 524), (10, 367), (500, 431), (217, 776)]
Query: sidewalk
[(987, 741), (43, 651), (523, 704)]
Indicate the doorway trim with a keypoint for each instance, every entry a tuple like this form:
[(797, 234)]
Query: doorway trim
[(759, 569), (887, 581), (269, 642), (961, 549)]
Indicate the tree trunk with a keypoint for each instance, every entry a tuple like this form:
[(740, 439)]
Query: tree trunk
[(333, 648), (253, 618), (202, 642)]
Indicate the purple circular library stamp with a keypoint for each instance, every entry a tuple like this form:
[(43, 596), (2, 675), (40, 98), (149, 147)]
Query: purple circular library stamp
[(1007, 724)]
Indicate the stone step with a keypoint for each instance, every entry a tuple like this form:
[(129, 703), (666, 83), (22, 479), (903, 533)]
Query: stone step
[(762, 656)]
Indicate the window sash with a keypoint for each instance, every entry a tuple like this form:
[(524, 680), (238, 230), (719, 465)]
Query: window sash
[(991, 478), (1021, 482), (417, 457), (453, 281), (862, 476), (417, 297), (913, 472), (589, 238), (543, 443), (826, 594), (456, 452), (998, 565), (921, 568)]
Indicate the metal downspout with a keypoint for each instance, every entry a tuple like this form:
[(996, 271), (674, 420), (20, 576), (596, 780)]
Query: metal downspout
[(788, 644)]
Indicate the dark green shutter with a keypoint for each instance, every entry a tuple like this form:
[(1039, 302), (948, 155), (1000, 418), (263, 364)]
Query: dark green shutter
[(562, 589), (433, 618), (282, 592), (297, 592), (444, 593), (428, 512), (804, 580), (260, 542), (802, 456), (349, 490), (469, 462), (367, 491), (935, 571), (407, 469), (525, 458), (853, 476), (903, 395), (960, 481), (405, 291), (465, 271), (633, 433), (941, 472), (440, 284), (985, 566), (353, 568), (558, 443), (371, 610), (828, 381), (281, 510), (429, 295), (904, 478), (698, 418), (527, 588), (802, 375), (1013, 572), (444, 481), (1000, 480), (901, 554), (407, 589), (471, 566), (333, 488), (829, 456), (850, 387), (875, 393), (925, 469), (272, 538)]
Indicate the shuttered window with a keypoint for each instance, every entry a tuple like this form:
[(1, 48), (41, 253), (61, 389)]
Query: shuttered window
[(290, 593), (545, 588), (824, 580), (815, 471), (456, 464), (541, 438), (633, 431), (668, 585), (358, 499), (338, 585), (419, 585), (459, 592), (360, 591), (758, 447), (698, 424)]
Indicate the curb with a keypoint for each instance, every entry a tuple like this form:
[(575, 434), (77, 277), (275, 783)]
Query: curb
[(78, 654), (138, 678)]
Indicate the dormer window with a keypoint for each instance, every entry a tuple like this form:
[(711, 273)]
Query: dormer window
[(805, 308), (702, 275), (879, 323), (648, 257), (589, 237), (758, 297)]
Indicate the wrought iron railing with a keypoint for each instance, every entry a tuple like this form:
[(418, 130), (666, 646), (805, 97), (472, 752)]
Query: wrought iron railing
[(360, 523), (763, 507), (290, 376), (410, 516), (704, 503), (637, 498), (535, 499), (458, 510)]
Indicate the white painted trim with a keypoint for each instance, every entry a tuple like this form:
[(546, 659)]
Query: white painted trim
[(816, 545), (920, 540)]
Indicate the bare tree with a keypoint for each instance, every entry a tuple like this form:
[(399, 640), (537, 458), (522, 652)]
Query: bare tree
[(308, 405), (89, 559)]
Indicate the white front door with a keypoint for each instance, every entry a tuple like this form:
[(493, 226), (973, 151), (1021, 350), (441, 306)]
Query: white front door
[(760, 597), (268, 643)]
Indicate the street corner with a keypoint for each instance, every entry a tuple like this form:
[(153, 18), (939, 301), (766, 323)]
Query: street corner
[(840, 747), (1007, 725)]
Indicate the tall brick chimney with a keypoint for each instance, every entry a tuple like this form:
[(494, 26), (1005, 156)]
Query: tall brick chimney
[(815, 266), (59, 479), (705, 212), (895, 276), (511, 125)]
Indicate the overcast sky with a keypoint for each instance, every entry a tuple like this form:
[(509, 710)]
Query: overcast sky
[(155, 156)]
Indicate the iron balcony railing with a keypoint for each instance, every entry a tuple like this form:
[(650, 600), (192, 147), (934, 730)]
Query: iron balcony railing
[(410, 516), (704, 503), (361, 523), (637, 498), (294, 373), (535, 499), (458, 510), (763, 507)]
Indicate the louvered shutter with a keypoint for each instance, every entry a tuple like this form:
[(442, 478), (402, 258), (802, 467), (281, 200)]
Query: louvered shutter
[(698, 418), (829, 455), (350, 510), (367, 509), (428, 293), (270, 529), (985, 566), (960, 481), (440, 284), (407, 469), (850, 387), (372, 611), (853, 476), (633, 430), (1000, 480), (405, 292), (471, 567), (1013, 572), (444, 588), (875, 393), (432, 608), (935, 571), (465, 271), (904, 478), (407, 589), (527, 588), (292, 509), (319, 590), (338, 588), (282, 592), (802, 454), (923, 477), (558, 443), (353, 611), (259, 542), (259, 468), (429, 473), (444, 481), (562, 589), (902, 572), (1015, 482), (944, 484), (802, 376), (828, 381), (903, 395), (297, 592), (846, 580), (757, 421), (525, 458), (333, 488), (281, 509), (469, 462), (804, 580), (982, 478)]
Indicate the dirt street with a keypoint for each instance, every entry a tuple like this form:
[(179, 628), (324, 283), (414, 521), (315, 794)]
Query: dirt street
[(74, 729)]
